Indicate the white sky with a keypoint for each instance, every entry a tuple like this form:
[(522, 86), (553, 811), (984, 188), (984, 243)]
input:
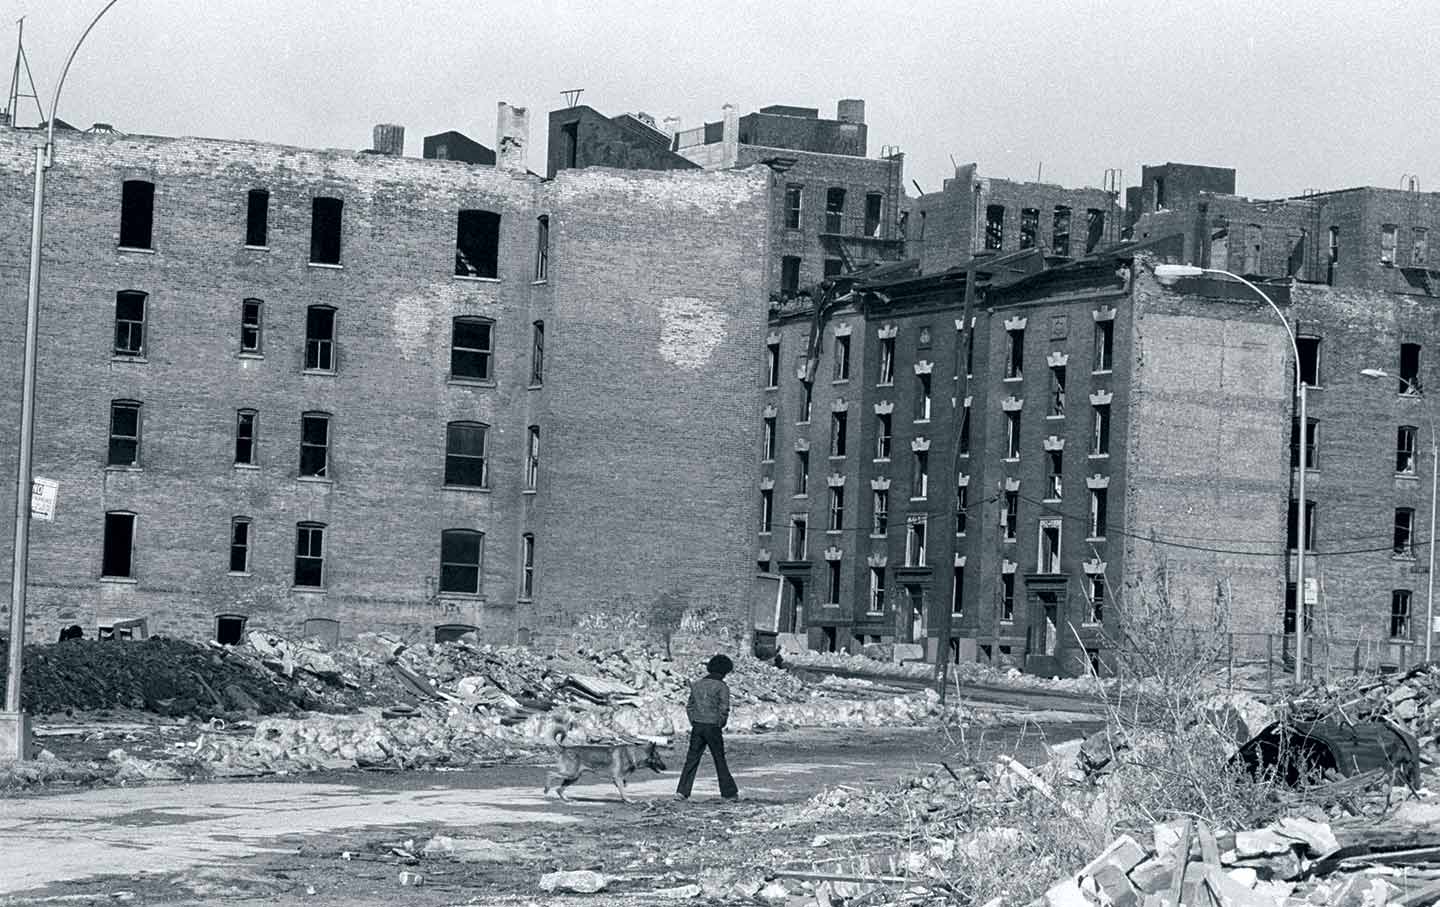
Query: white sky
[(1295, 94)]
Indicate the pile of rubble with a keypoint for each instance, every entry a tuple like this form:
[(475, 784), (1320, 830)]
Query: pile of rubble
[(1411, 699)]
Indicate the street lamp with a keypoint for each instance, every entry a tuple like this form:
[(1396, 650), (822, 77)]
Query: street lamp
[(14, 726), (1414, 388), (1168, 274)]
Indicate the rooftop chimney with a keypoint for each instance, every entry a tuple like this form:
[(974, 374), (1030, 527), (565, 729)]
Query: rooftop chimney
[(672, 125), (512, 137), (389, 139), (850, 110)]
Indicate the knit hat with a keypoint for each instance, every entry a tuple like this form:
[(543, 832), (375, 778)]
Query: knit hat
[(720, 664)]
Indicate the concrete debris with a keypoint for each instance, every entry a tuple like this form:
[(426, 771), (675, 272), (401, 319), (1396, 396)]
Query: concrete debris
[(581, 881)]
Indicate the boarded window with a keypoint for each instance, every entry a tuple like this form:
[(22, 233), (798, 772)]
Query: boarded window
[(994, 226), (117, 556), (257, 218), (460, 561), (129, 323), (465, 455), (320, 338), (470, 348), (325, 230), (137, 214), (124, 433), (310, 555), (315, 445), (477, 244)]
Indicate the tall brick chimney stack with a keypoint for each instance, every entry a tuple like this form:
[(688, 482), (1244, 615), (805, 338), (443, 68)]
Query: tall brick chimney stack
[(389, 139), (729, 135), (850, 110), (512, 137)]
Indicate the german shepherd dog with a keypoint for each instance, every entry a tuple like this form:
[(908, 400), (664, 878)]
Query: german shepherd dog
[(618, 760)]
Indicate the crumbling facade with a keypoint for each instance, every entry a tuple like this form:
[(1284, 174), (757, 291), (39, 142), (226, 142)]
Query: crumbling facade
[(328, 392)]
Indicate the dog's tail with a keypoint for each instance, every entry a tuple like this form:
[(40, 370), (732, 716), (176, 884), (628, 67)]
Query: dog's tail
[(556, 730)]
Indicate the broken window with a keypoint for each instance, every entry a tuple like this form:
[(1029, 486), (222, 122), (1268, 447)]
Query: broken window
[(920, 475), (842, 358), (310, 555), (1405, 450), (1312, 429), (1011, 516), (882, 436), (569, 144), (1309, 349), (1029, 227), (994, 226), (465, 465), (887, 361), (240, 545), (1054, 482), (129, 323), (527, 566), (251, 313), (802, 472), (1094, 229), (230, 629), (1419, 245), (767, 439), (1292, 528), (1012, 434), (1100, 430), (837, 434), (460, 561), (799, 541), (124, 433), (834, 210), (117, 553), (1104, 346), (789, 275), (962, 509), (922, 397), (1007, 601), (542, 247), (137, 214), (772, 364), (325, 230), (1060, 231), (873, 203), (877, 590), (1159, 192), (915, 541), (957, 591), (537, 353), (257, 217), (1387, 243), (1095, 586), (794, 195), (1098, 516), (970, 351), (963, 444), (245, 437), (1400, 613), (470, 348), (767, 509), (833, 268), (320, 339), (1404, 532), (1015, 353), (1049, 556), (477, 244), (880, 512), (832, 593), (315, 445), (807, 399), (1057, 390), (1253, 247), (532, 457), (837, 508), (1410, 368)]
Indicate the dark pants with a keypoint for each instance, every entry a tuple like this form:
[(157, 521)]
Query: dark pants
[(703, 736)]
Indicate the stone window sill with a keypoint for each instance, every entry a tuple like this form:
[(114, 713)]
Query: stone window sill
[(120, 580), (324, 266), (135, 250), (469, 279), (126, 357), (470, 382)]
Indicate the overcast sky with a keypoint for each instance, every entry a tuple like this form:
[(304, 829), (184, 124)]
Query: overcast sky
[(1295, 94)]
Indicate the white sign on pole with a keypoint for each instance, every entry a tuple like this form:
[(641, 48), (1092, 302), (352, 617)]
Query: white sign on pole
[(1312, 590), (43, 493), (1435, 624)]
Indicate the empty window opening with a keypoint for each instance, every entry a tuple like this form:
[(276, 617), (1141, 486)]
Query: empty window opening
[(922, 398), (325, 230), (470, 348), (542, 247), (802, 472), (1296, 261), (465, 464), (320, 339), (1312, 430), (767, 438), (137, 214), (1029, 227), (887, 361), (807, 398), (789, 275), (315, 445), (842, 358), (1094, 229), (1404, 532), (1159, 192), (957, 591), (1400, 613), (877, 590), (873, 204), (532, 457), (1104, 359), (245, 420), (527, 566), (834, 210), (569, 144), (1309, 348), (962, 444), (124, 433), (257, 218), (833, 267), (1405, 450), (1100, 430), (772, 364), (118, 552), (129, 323), (1388, 234), (1057, 390), (460, 561), (1096, 593), (915, 542), (1012, 435), (920, 476), (1254, 239), (1099, 503), (310, 555), (794, 198), (1292, 531), (1015, 353), (994, 226), (240, 545), (1054, 474), (1011, 515), (1410, 368), (962, 509), (837, 508), (767, 509), (251, 325), (230, 629), (477, 244), (799, 538), (1007, 602), (883, 436), (537, 353), (1419, 245), (1060, 231), (832, 588), (880, 512), (837, 434), (1049, 557)]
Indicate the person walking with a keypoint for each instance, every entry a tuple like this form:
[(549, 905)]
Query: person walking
[(708, 709)]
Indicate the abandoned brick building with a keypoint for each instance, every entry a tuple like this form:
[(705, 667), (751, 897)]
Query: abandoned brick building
[(338, 392), (1015, 462)]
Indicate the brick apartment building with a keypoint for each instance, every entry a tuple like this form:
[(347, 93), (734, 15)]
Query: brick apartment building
[(333, 392), (833, 208)]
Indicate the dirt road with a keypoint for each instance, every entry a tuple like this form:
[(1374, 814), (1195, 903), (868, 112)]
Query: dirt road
[(281, 842)]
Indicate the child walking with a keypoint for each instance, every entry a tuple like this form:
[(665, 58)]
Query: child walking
[(708, 709)]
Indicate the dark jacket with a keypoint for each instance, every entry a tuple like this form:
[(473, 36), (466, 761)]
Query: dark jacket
[(709, 701)]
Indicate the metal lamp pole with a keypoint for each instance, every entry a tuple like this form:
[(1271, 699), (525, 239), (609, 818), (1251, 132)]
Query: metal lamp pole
[(1171, 273), (44, 157)]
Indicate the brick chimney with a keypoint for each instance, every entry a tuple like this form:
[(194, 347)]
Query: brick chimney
[(512, 137), (389, 138)]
